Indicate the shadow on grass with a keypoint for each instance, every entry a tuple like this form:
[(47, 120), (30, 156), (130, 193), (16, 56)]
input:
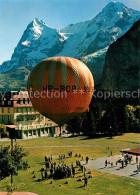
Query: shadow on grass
[(87, 136), (41, 163), (81, 186)]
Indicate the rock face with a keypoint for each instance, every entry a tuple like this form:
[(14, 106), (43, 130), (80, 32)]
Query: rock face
[(87, 41), (122, 64)]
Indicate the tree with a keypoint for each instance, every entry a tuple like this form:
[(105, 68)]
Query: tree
[(89, 126), (12, 162), (132, 117), (74, 126), (3, 132)]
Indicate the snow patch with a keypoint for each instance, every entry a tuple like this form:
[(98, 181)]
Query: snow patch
[(121, 14), (26, 43)]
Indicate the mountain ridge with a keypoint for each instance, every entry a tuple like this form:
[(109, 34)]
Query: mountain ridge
[(80, 40)]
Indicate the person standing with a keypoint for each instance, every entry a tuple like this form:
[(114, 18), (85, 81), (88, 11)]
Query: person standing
[(87, 158), (46, 159), (106, 163), (46, 174), (86, 181), (42, 175), (85, 173), (111, 164), (136, 159), (82, 168), (73, 171), (122, 164), (138, 169), (54, 166), (51, 172)]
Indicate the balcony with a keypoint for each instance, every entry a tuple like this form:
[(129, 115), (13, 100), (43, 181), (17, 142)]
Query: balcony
[(33, 127)]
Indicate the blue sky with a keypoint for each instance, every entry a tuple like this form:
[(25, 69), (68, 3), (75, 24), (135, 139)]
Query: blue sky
[(15, 15)]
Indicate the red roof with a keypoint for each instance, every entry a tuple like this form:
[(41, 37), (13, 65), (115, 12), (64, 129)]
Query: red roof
[(135, 151)]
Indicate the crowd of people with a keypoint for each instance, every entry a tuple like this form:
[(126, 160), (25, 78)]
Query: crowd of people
[(60, 170), (124, 161)]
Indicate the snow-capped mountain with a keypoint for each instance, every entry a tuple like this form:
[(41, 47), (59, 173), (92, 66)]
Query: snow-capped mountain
[(37, 42), (87, 41), (113, 21)]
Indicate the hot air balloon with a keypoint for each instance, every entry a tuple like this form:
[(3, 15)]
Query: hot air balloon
[(60, 88)]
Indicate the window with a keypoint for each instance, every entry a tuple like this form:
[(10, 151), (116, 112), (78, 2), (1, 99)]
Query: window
[(2, 110), (34, 132), (30, 133), (26, 133), (17, 110), (23, 100), (19, 118), (9, 118), (2, 103), (2, 118), (21, 109), (9, 103), (42, 131), (8, 110)]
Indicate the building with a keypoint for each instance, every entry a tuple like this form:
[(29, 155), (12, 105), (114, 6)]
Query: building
[(16, 109)]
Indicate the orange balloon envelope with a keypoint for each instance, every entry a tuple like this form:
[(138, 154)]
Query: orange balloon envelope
[(60, 88)]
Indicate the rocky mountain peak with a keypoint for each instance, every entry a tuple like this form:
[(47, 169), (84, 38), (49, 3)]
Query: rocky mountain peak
[(87, 40)]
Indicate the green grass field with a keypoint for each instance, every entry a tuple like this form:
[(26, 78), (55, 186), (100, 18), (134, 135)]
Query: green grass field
[(101, 183)]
